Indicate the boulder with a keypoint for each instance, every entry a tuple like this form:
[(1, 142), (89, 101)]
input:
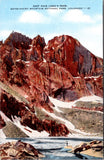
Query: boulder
[(93, 149), (18, 150)]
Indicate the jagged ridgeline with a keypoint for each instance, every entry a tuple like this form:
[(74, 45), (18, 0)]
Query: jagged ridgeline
[(34, 75), (18, 40)]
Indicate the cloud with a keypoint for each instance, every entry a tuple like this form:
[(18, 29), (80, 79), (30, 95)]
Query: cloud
[(94, 45), (76, 16), (33, 17), (98, 17), (49, 36), (96, 30), (92, 39), (4, 34), (54, 12), (89, 37)]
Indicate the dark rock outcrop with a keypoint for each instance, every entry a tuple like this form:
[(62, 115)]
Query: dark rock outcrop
[(2, 122), (18, 40), (93, 148), (18, 150), (36, 48), (11, 108)]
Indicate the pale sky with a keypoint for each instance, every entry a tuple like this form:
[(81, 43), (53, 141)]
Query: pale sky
[(82, 19)]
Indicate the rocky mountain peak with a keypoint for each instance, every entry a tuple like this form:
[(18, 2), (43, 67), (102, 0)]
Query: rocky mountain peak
[(18, 40), (32, 73), (69, 53)]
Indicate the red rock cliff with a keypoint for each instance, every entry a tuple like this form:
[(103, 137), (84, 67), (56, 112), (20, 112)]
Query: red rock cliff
[(63, 69)]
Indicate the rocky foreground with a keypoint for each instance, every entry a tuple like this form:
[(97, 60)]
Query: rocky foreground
[(18, 150), (94, 149), (32, 72)]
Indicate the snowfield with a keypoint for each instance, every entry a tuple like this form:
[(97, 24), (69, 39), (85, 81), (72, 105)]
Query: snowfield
[(68, 124), (60, 104)]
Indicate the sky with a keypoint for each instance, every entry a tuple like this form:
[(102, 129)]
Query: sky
[(81, 19)]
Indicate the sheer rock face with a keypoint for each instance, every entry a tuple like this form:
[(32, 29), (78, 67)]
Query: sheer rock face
[(18, 46), (62, 69), (69, 53), (36, 48)]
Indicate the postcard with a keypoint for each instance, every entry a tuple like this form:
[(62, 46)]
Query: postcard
[(51, 79)]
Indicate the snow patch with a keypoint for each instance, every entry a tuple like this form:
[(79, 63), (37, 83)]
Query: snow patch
[(53, 62), (27, 130), (27, 108), (46, 47), (95, 77), (18, 60), (2, 135), (68, 124), (61, 104), (92, 77), (26, 96), (57, 109), (29, 49), (44, 60), (4, 117), (91, 98), (27, 62), (77, 77)]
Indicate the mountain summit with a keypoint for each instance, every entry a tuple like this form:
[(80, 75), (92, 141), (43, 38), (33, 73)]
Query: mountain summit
[(38, 81)]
